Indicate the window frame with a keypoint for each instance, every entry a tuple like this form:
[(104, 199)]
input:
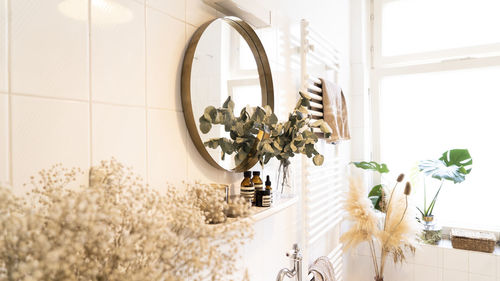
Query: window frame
[(425, 62)]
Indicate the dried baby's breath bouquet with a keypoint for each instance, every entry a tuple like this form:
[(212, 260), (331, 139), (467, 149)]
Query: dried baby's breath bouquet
[(116, 228), (394, 236)]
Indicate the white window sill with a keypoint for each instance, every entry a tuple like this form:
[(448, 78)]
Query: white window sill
[(446, 244)]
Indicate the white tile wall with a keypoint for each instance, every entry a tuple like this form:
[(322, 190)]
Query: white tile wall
[(119, 131), (399, 272), (4, 138), (482, 263), (428, 273), (453, 275), (456, 260), (45, 132), (498, 267), (3, 46), (49, 51), (119, 77), (479, 277), (118, 57), (434, 263), (429, 255), (197, 13), (175, 8), (167, 147), (165, 48)]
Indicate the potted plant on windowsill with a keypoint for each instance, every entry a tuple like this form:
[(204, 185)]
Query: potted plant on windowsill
[(453, 166)]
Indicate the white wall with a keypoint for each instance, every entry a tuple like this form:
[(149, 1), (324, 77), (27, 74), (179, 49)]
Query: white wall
[(430, 263), (77, 92)]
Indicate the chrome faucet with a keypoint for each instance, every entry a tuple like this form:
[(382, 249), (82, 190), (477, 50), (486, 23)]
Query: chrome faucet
[(296, 271)]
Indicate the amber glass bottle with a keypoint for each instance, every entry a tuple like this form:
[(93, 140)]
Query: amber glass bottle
[(257, 183), (247, 189), (268, 187)]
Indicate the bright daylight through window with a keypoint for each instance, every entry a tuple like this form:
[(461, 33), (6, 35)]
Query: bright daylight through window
[(435, 82)]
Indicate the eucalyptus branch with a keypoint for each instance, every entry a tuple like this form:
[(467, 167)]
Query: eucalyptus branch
[(282, 140)]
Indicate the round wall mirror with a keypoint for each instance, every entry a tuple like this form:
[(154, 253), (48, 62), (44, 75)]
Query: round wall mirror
[(224, 58)]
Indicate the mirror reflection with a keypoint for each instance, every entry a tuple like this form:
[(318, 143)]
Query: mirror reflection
[(223, 65)]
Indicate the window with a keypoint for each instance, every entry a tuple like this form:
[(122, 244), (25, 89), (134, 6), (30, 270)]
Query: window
[(435, 81)]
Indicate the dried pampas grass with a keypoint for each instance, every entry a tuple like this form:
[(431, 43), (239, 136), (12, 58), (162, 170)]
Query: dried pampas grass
[(396, 237), (360, 212)]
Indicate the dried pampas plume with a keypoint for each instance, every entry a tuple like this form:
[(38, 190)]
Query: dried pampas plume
[(360, 212), (398, 234)]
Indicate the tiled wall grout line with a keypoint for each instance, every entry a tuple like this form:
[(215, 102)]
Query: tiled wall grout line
[(94, 102), (146, 111), (91, 136), (47, 97), (9, 90), (192, 25), (164, 13)]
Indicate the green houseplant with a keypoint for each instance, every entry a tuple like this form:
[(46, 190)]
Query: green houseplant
[(260, 126), (376, 194), (453, 165)]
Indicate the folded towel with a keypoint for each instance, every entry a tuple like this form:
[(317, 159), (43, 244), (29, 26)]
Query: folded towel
[(335, 111), (322, 269)]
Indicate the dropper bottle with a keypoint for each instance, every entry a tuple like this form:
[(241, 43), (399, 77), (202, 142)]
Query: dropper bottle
[(268, 187)]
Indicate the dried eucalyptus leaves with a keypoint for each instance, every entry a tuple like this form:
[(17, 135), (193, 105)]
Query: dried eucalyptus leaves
[(257, 131)]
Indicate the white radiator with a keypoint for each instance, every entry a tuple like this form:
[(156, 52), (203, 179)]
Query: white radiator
[(322, 186)]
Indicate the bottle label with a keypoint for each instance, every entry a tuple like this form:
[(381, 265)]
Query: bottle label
[(248, 192), (266, 201), (258, 186)]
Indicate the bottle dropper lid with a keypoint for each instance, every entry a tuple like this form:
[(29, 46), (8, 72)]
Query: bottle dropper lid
[(268, 181)]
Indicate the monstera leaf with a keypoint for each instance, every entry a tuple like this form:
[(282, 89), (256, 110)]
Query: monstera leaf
[(372, 165), (375, 196), (453, 165)]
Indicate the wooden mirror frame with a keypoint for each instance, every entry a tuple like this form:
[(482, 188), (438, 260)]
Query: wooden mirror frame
[(265, 77)]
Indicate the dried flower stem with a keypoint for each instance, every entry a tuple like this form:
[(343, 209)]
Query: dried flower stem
[(374, 256), (384, 251)]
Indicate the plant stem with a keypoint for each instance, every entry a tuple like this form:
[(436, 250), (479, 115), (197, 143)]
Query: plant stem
[(384, 252), (389, 205), (374, 257), (404, 213), (433, 203), (382, 263), (387, 214), (425, 196)]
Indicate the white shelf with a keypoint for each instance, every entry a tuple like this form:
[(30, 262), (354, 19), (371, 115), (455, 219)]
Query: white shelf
[(260, 213)]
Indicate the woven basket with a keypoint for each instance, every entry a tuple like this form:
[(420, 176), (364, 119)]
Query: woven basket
[(473, 240)]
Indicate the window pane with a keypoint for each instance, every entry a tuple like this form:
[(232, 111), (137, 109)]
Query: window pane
[(423, 115), (413, 26)]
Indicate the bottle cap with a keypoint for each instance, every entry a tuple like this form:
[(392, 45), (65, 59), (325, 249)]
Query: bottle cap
[(268, 181), (256, 173), (247, 174)]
